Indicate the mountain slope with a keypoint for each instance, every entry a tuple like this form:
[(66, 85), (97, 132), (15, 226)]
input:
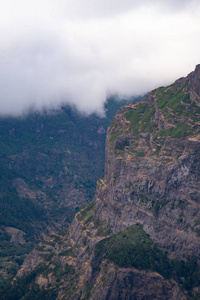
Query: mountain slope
[(139, 237)]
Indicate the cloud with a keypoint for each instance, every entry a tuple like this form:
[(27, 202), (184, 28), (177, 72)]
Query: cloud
[(78, 52)]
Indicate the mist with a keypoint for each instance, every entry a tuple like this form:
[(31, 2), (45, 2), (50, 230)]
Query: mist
[(81, 52)]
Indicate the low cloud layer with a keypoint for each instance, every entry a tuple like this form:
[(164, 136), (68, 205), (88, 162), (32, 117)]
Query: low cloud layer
[(79, 52)]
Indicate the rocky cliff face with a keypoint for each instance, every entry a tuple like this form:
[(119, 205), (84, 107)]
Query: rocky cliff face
[(153, 167), (140, 236)]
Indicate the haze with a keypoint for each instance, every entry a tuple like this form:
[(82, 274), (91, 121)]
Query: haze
[(80, 52)]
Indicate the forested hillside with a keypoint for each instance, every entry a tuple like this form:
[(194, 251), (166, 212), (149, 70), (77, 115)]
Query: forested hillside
[(49, 164)]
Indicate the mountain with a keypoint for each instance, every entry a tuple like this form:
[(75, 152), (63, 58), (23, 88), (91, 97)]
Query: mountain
[(139, 237), (49, 164)]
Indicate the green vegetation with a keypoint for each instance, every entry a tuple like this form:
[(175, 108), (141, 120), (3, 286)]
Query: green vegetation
[(87, 291), (147, 124), (18, 213), (59, 271), (180, 131), (47, 256), (176, 103), (164, 97), (140, 154), (187, 273), (21, 288), (134, 117), (177, 107), (114, 135), (102, 229), (9, 249), (173, 97), (69, 269), (68, 252), (156, 152), (14, 211), (122, 145), (141, 119), (26, 288), (87, 212), (132, 247)]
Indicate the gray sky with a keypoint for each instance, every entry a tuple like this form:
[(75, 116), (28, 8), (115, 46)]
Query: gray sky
[(55, 51)]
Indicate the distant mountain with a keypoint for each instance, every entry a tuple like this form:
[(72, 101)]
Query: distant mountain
[(49, 165), (139, 237)]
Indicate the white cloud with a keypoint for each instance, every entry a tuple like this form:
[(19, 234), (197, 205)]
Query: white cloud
[(79, 51)]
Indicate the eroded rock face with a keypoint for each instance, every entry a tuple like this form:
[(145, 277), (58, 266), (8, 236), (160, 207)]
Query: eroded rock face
[(163, 196), (133, 284), (17, 236), (154, 179), (152, 174)]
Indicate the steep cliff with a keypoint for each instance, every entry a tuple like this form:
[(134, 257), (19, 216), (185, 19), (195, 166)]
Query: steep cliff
[(140, 236)]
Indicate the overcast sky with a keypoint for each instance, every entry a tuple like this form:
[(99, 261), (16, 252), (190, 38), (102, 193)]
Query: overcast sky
[(81, 51)]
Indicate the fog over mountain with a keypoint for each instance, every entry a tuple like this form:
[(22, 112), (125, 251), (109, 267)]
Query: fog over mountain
[(79, 52)]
